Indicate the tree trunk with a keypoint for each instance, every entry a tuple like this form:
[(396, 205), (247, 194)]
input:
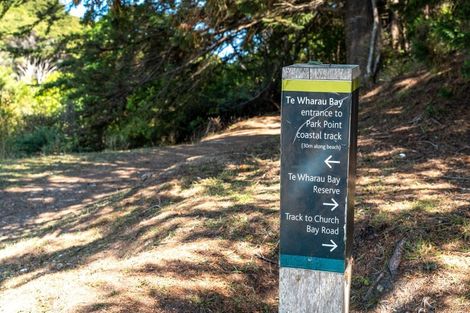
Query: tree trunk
[(359, 23), (374, 45), (395, 30)]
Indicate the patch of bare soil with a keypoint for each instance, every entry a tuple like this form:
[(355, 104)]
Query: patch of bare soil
[(173, 229), (194, 228), (414, 185)]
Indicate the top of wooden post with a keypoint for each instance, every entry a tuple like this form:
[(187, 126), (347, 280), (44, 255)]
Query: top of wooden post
[(321, 72)]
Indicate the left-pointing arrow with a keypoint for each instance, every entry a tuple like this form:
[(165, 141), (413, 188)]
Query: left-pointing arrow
[(333, 245), (334, 205), (329, 161)]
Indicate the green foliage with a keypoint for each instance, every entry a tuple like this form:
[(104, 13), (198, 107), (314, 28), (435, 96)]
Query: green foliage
[(11, 95), (466, 69), (32, 33), (155, 73), (42, 139), (44, 17), (28, 117), (145, 73), (440, 32)]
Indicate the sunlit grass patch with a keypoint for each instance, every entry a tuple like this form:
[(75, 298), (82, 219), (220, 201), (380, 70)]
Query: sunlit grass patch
[(427, 205), (189, 240), (214, 187), (246, 225), (375, 186), (243, 198), (48, 244), (381, 219), (240, 226), (413, 207), (41, 163), (189, 175), (231, 184), (199, 222), (455, 262), (420, 250)]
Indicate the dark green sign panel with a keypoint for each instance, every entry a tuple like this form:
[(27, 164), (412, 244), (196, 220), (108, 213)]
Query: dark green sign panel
[(318, 140)]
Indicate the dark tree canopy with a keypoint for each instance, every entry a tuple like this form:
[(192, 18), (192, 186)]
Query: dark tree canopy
[(149, 72)]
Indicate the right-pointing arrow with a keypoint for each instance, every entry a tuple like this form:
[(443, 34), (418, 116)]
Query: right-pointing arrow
[(334, 204), (328, 161), (333, 245)]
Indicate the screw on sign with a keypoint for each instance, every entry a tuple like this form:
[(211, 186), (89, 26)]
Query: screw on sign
[(318, 164)]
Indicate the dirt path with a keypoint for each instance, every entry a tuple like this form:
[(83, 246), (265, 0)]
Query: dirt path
[(194, 228), (54, 184), (137, 231)]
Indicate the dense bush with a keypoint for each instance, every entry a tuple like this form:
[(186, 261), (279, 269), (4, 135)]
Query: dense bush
[(436, 37), (42, 139), (140, 73)]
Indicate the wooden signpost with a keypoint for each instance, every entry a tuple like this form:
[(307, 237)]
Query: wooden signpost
[(318, 163)]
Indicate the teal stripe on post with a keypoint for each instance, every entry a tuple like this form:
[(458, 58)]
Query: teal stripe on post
[(312, 263)]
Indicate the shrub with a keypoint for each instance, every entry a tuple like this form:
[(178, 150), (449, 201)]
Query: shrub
[(42, 139)]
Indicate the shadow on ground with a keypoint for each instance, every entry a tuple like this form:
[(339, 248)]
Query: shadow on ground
[(202, 205), (413, 183), (194, 228)]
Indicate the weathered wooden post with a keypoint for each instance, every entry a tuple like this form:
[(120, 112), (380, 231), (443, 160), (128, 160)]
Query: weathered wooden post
[(318, 164)]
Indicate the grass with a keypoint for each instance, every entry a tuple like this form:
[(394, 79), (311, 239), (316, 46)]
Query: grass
[(411, 197), (420, 250), (193, 233), (188, 239), (426, 205)]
